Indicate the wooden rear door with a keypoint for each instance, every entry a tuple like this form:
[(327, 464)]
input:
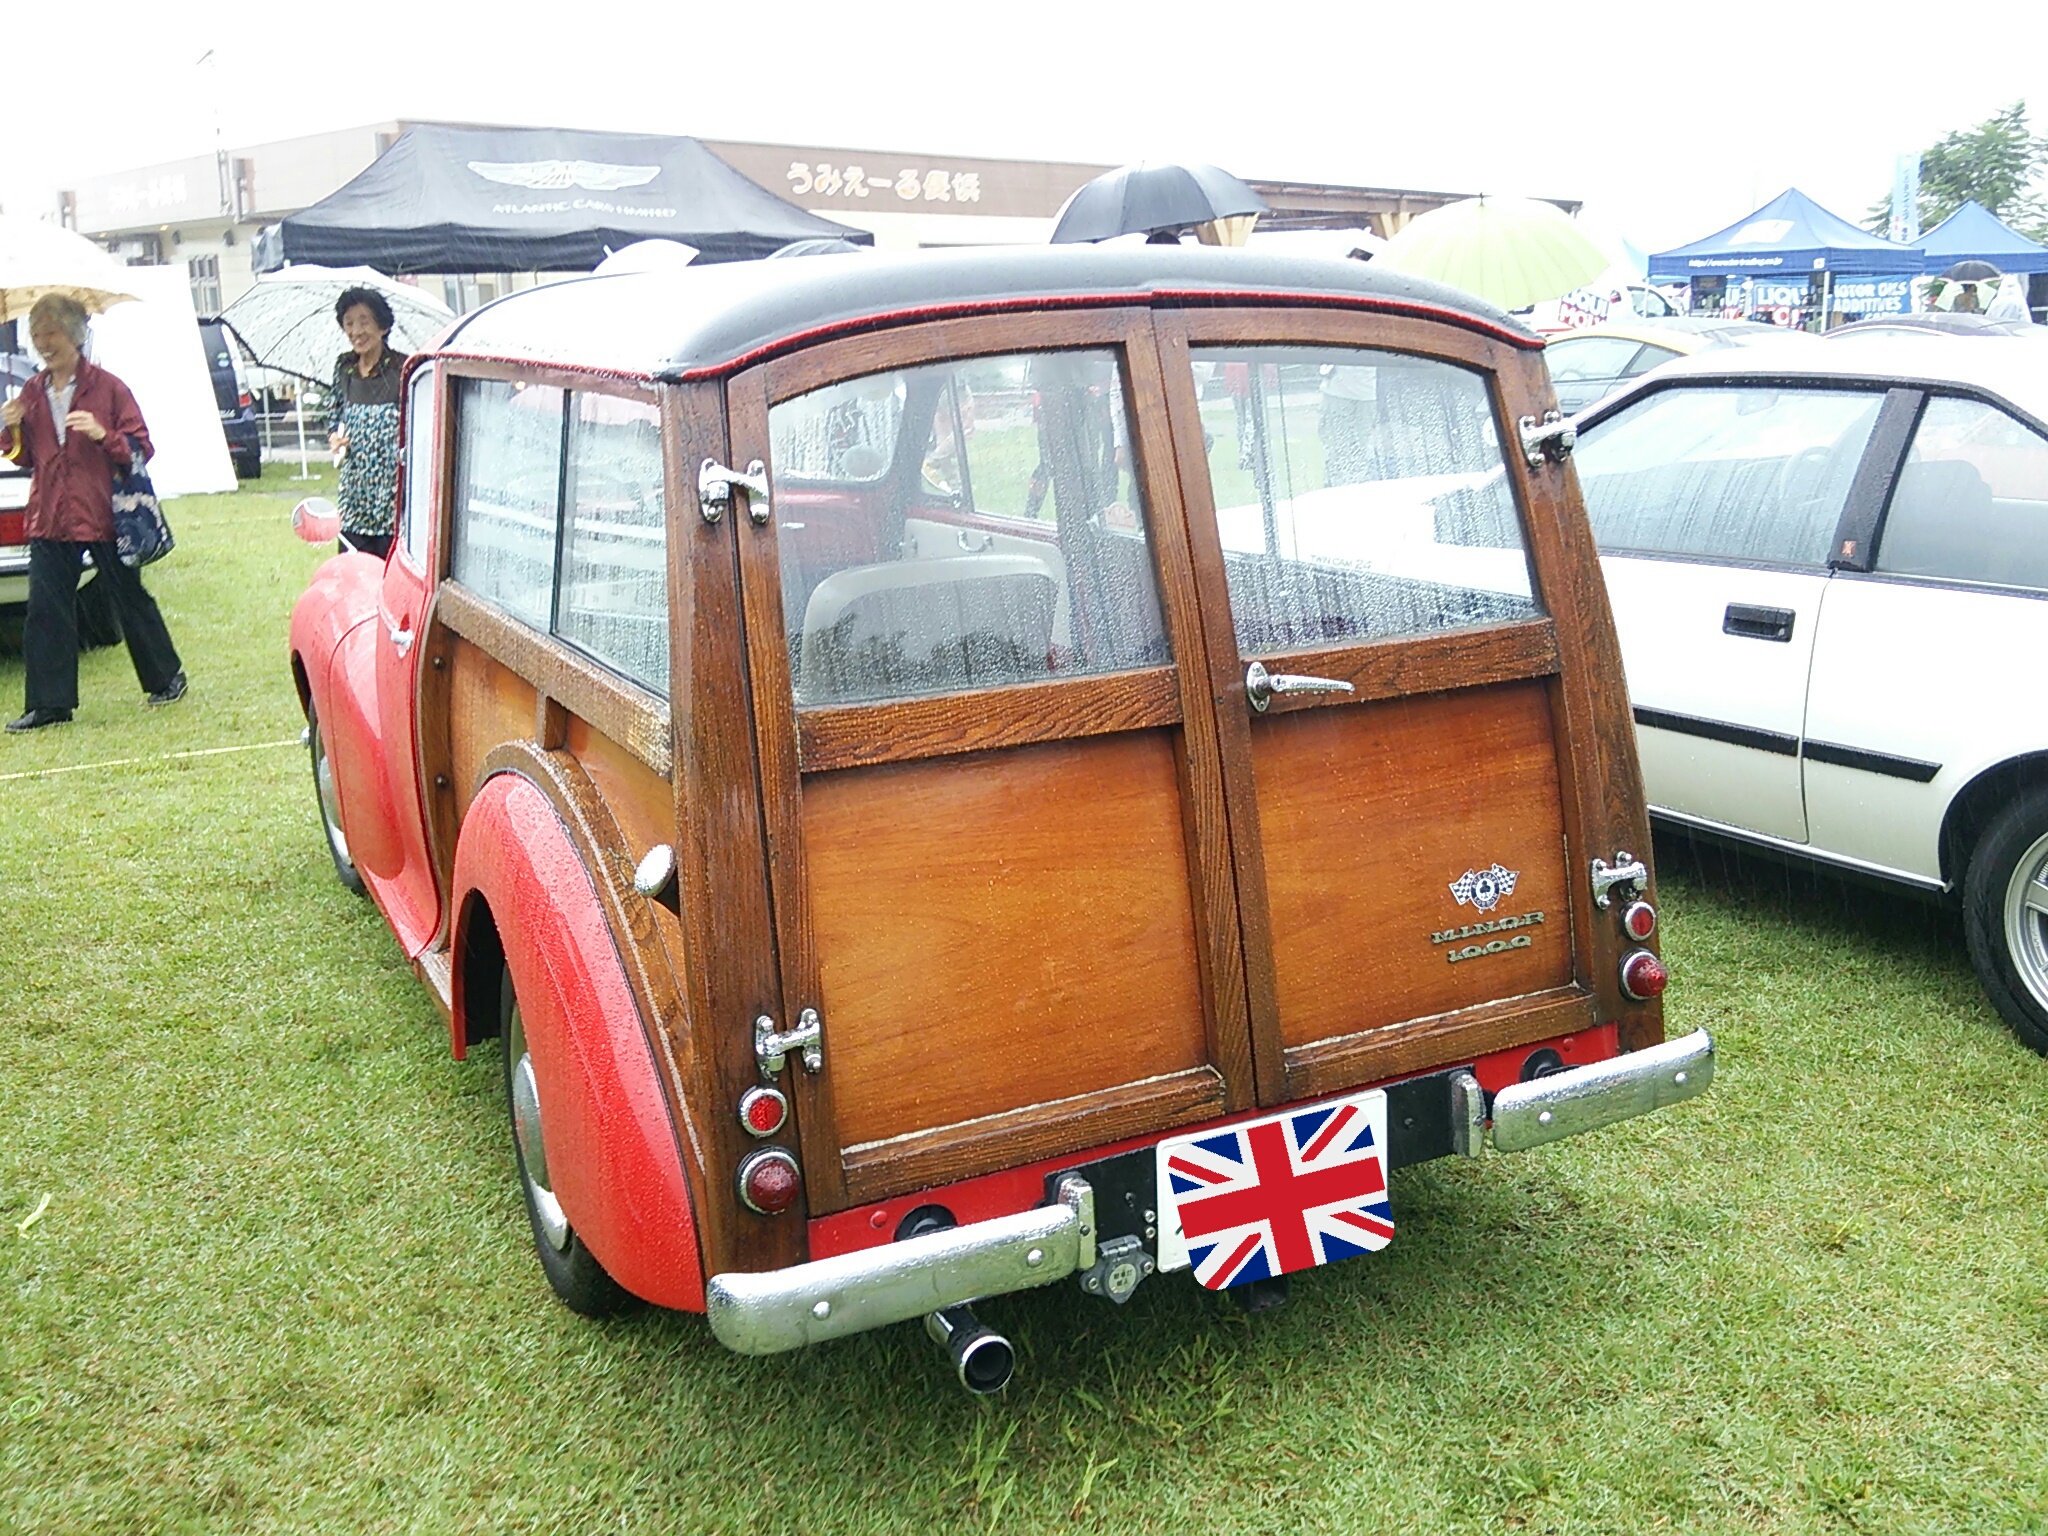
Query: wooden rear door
[(1401, 809), (992, 787)]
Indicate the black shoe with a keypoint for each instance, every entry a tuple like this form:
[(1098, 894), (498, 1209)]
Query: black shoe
[(170, 693), (36, 719)]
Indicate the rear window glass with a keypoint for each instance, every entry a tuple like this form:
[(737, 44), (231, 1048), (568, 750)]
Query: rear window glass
[(1749, 473), (1359, 495), (962, 525)]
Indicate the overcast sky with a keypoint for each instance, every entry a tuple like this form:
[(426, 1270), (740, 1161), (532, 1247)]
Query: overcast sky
[(1667, 129)]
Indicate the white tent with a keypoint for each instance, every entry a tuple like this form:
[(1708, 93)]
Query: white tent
[(153, 345)]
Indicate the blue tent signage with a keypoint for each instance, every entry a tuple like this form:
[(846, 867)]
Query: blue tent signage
[(1869, 296)]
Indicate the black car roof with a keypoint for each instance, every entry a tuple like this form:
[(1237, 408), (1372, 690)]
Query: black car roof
[(704, 321)]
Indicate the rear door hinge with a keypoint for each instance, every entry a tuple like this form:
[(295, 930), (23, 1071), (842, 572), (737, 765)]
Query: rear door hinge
[(1553, 438), (771, 1047)]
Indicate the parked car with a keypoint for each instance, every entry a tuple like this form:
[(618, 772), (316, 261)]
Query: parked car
[(929, 803), (1592, 364), (14, 483), (238, 420), (1827, 564)]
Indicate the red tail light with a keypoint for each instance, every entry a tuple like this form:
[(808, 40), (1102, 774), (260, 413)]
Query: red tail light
[(1643, 976), (762, 1111), (1639, 921), (769, 1181), (247, 399)]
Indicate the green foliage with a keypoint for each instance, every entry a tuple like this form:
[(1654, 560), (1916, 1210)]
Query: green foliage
[(1995, 163), (284, 1283)]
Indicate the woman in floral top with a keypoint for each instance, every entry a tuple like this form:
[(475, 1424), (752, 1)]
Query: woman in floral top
[(365, 435)]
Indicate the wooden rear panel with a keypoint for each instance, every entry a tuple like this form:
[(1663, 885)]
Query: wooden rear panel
[(1367, 814), (1001, 930)]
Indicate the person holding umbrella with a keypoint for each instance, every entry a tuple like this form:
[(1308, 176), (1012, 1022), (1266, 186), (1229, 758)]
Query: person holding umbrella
[(74, 425), (365, 438)]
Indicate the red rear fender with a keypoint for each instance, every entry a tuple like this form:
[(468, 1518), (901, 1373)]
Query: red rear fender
[(611, 1145)]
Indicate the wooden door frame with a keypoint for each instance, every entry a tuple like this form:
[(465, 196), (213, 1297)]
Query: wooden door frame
[(826, 738)]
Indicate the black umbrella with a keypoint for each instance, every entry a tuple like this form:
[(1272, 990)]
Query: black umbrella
[(1142, 199), (1973, 272)]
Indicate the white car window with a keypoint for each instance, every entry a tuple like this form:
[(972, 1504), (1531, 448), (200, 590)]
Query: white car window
[(1971, 503), (1719, 471)]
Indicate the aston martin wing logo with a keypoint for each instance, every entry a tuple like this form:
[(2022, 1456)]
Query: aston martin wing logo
[(554, 175), (1484, 888)]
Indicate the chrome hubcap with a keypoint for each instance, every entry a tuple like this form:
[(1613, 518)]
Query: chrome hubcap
[(533, 1153), (330, 812), (2026, 920)]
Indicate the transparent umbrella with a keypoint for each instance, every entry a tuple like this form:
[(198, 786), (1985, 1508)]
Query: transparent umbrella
[(1510, 251), (287, 320)]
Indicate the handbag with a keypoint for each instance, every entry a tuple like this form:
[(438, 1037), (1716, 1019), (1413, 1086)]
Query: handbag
[(140, 533)]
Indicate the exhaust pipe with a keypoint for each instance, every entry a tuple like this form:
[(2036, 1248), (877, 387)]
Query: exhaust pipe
[(982, 1358)]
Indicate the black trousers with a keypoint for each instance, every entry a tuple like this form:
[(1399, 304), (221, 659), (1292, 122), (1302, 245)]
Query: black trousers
[(49, 641)]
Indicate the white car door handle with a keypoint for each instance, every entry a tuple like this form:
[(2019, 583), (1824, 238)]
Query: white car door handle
[(401, 637)]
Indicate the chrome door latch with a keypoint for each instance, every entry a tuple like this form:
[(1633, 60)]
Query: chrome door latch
[(1553, 438), (1625, 870), (770, 1047), (715, 485), (1262, 687)]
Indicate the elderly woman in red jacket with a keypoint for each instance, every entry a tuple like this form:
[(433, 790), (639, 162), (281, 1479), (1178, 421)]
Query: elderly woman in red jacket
[(72, 425)]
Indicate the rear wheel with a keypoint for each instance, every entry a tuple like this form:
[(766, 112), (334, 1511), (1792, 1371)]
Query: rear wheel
[(330, 806), (2005, 915), (571, 1268)]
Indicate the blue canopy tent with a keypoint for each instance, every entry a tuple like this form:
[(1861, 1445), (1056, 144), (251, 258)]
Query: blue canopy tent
[(1789, 236), (1974, 233)]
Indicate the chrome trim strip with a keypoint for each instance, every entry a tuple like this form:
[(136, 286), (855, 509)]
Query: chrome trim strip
[(1586, 1098), (764, 1314)]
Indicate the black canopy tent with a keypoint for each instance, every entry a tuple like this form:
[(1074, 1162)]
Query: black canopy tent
[(536, 200)]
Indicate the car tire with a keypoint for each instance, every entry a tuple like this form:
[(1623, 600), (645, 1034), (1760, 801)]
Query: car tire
[(2005, 915), (330, 805), (572, 1269)]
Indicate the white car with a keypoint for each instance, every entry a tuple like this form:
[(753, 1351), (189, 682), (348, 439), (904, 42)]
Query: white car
[(1829, 569)]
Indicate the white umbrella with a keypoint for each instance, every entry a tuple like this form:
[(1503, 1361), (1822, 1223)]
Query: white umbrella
[(38, 259), (1509, 250), (655, 255), (287, 319)]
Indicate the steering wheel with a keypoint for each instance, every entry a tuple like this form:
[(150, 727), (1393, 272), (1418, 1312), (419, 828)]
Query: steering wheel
[(1803, 478)]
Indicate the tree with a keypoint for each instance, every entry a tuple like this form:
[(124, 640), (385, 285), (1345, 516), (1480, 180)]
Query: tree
[(1995, 163)]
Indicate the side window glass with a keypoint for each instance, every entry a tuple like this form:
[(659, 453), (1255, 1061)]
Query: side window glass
[(1724, 472), (1359, 495), (1593, 357), (614, 583), (508, 487), (422, 464), (1650, 357), (960, 525), (1971, 501)]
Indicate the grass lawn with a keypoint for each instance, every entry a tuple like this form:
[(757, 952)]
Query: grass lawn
[(282, 1280)]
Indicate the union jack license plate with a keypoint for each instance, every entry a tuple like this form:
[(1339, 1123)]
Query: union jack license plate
[(1267, 1197)]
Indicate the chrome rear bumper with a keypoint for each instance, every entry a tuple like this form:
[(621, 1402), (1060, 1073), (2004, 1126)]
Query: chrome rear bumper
[(1586, 1098), (764, 1314)]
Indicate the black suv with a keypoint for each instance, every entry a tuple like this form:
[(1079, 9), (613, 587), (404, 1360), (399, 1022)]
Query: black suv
[(237, 407)]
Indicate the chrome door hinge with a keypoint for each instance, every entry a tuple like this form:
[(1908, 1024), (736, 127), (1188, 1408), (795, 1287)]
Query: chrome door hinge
[(1623, 871), (770, 1047), (715, 484), (1553, 438)]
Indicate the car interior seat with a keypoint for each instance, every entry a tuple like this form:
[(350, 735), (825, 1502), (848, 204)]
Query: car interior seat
[(904, 628), (1940, 523)]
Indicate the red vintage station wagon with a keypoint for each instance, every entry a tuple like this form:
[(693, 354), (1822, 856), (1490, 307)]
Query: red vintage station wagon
[(968, 772)]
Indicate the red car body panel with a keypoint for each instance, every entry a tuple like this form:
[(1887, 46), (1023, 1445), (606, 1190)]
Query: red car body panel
[(611, 1147), (342, 652)]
